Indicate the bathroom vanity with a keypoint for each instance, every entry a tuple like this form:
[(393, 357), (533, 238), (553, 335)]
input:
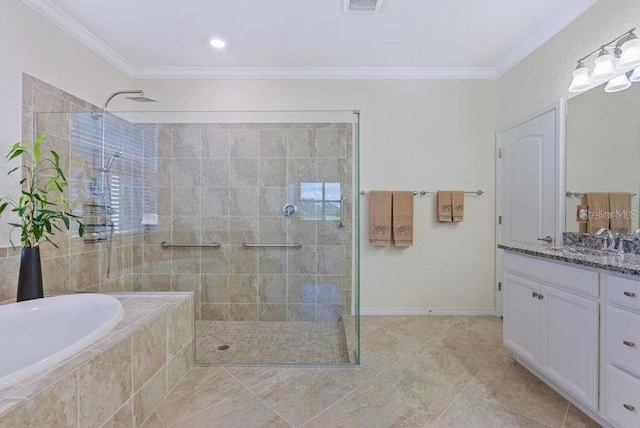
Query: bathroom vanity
[(572, 317)]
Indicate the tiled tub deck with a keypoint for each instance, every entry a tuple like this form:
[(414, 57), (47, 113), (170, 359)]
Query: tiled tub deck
[(117, 381)]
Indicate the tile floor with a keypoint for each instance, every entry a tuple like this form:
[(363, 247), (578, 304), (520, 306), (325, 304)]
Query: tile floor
[(420, 371), (271, 342)]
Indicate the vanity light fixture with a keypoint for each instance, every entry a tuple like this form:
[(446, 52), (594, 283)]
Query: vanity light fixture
[(217, 42), (614, 65)]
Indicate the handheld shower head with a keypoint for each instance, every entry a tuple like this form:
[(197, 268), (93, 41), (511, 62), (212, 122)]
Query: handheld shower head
[(113, 157)]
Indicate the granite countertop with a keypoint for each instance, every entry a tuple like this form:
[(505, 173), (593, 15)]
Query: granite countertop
[(627, 263)]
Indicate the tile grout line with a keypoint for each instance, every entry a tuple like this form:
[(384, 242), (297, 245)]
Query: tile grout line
[(329, 407), (566, 413), (466, 386), (258, 397)]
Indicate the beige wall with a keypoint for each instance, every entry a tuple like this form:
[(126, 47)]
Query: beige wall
[(544, 76), (31, 44), (414, 135)]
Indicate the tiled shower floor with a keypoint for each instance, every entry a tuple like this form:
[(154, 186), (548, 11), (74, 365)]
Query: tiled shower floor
[(270, 342)]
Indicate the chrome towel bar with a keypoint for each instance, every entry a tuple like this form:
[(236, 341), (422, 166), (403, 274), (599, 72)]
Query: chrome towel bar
[(425, 192), (165, 244), (298, 245)]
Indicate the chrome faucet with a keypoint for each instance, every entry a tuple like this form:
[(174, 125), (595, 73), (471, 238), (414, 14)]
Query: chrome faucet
[(621, 243), (610, 241)]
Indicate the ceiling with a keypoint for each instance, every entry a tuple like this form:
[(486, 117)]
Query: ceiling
[(313, 38)]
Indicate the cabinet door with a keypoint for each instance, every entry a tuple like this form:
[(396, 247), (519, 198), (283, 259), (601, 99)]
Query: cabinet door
[(521, 311), (569, 342)]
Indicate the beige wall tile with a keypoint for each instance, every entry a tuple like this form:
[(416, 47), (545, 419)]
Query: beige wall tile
[(214, 172), (273, 143), (83, 270), (243, 202), (179, 327), (272, 312), (215, 288), (216, 143), (243, 289), (244, 143), (149, 350), (301, 143), (123, 417), (179, 365), (243, 312), (215, 202), (243, 229), (272, 289), (56, 406), (149, 396), (109, 373), (273, 172), (243, 172), (215, 312), (186, 143), (272, 261)]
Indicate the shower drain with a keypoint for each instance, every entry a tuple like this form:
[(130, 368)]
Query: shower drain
[(223, 347)]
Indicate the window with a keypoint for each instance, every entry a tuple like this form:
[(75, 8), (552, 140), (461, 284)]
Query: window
[(320, 201)]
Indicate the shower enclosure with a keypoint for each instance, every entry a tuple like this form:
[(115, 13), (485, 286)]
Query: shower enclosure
[(254, 212)]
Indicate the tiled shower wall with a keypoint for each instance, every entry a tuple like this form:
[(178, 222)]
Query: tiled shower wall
[(228, 183), (75, 265)]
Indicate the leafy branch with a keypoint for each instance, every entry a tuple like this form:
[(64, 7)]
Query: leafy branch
[(41, 207)]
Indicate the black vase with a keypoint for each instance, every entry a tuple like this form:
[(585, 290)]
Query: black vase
[(30, 279)]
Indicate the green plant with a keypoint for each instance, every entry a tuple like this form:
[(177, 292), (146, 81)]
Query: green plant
[(41, 207)]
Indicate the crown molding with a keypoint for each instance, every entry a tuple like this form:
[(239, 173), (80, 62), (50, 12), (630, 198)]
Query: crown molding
[(530, 44), (552, 27), (78, 32), (329, 73)]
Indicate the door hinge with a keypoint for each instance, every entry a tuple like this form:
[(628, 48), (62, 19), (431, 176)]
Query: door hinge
[(499, 286), (500, 153), (499, 219)]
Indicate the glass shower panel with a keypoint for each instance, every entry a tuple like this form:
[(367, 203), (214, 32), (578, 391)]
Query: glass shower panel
[(275, 190)]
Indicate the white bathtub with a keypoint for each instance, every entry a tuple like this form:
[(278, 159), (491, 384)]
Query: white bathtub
[(37, 334)]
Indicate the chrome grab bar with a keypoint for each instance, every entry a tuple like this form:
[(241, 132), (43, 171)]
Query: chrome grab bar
[(165, 244), (298, 245)]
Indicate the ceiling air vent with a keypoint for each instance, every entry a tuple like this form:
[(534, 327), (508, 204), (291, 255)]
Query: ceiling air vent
[(362, 6)]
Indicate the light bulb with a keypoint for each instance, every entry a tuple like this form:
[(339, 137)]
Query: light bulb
[(581, 81), (604, 69), (217, 42), (617, 84)]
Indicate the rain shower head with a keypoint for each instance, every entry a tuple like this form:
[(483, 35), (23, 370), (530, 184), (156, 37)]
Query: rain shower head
[(142, 99)]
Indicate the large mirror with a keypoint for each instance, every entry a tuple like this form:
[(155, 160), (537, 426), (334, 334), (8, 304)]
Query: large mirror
[(603, 160)]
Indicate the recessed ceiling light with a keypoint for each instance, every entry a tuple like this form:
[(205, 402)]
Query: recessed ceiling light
[(217, 42)]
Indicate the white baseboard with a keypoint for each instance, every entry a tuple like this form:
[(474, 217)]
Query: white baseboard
[(427, 311)]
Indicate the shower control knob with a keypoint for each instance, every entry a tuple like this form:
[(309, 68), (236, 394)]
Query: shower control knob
[(289, 210)]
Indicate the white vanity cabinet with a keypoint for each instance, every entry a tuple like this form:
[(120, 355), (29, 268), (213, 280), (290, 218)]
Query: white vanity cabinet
[(621, 346), (551, 321)]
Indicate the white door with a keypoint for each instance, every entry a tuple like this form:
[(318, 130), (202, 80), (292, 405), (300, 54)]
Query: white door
[(529, 181), (569, 342), (522, 316)]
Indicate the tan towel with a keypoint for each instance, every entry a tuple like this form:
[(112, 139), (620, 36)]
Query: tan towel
[(403, 219), (620, 207), (598, 210), (444, 206), (380, 218), (457, 205)]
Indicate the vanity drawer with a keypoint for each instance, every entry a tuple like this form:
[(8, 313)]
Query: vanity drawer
[(569, 277), (623, 398), (623, 338), (624, 291)]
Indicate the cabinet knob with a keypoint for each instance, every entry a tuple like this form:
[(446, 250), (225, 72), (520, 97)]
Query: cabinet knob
[(629, 344), (629, 407), (534, 294), (629, 294), (540, 297)]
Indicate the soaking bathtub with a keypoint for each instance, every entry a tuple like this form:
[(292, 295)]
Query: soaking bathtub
[(37, 334)]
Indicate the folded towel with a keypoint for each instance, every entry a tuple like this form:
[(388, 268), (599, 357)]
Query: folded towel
[(444, 206), (380, 218), (620, 207), (403, 219), (598, 210), (457, 205)]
